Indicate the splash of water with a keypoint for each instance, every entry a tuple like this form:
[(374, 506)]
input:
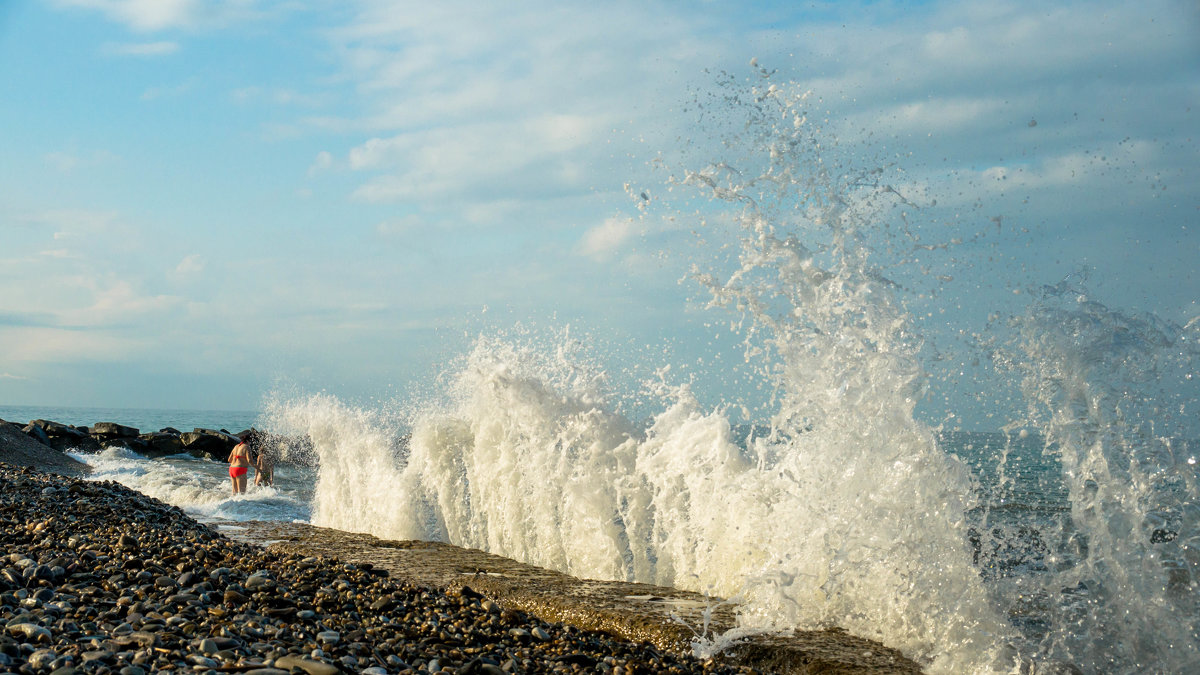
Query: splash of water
[(1110, 392), (846, 512)]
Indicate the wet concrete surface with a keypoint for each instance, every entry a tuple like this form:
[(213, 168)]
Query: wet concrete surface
[(669, 619)]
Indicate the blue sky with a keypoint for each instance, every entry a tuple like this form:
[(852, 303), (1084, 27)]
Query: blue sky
[(201, 198)]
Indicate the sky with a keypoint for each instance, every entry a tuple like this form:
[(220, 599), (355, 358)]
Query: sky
[(203, 199)]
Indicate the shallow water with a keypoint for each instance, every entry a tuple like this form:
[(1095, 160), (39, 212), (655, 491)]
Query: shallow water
[(201, 487)]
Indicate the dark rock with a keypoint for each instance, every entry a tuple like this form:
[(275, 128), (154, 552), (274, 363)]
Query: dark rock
[(37, 433), (135, 444), (577, 660), (112, 430), (161, 443), (53, 429), (66, 438), (209, 443)]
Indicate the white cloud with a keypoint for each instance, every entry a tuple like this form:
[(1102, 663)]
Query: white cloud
[(10, 376), (603, 241), (522, 157), (143, 15), (162, 48), (322, 162), (120, 300), (38, 344), (278, 96), (409, 223), (157, 15), (192, 264)]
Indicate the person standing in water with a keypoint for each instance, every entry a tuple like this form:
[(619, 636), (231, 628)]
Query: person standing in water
[(264, 467), (239, 466)]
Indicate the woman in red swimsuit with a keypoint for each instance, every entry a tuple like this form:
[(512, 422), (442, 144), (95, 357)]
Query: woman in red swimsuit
[(239, 466)]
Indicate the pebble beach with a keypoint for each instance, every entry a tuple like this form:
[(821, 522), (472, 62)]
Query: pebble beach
[(97, 578)]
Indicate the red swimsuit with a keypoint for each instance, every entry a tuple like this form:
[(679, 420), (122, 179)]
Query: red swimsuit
[(238, 471)]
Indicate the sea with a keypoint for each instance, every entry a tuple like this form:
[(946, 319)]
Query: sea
[(1063, 538)]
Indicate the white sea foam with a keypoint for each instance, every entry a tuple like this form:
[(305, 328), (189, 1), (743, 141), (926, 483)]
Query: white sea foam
[(200, 487)]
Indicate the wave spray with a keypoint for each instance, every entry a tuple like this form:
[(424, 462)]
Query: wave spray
[(839, 508)]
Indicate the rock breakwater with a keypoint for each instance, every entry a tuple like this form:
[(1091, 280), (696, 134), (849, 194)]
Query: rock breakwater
[(199, 442), (97, 578)]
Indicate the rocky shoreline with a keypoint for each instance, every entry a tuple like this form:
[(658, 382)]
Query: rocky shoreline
[(97, 578)]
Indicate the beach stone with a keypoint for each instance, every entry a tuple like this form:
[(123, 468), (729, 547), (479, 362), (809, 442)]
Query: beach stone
[(98, 655), (201, 660), (142, 639), (267, 671), (132, 670), (307, 665), (259, 582), (328, 637), (209, 646), (42, 658), (540, 634), (31, 631)]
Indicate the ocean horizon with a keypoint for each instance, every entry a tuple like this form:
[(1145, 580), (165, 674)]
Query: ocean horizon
[(143, 419)]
